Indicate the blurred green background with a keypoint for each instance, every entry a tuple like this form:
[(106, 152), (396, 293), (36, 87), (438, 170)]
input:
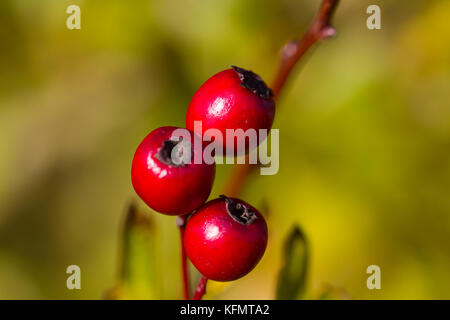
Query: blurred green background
[(364, 139)]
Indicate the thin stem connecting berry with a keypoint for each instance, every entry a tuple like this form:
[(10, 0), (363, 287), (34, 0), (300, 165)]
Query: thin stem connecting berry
[(201, 288), (181, 224)]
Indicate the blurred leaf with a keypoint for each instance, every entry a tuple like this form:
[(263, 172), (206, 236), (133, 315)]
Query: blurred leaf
[(329, 292), (138, 274), (292, 276)]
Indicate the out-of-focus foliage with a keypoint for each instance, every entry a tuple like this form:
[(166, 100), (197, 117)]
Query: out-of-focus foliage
[(364, 138), (329, 292), (139, 274), (292, 277)]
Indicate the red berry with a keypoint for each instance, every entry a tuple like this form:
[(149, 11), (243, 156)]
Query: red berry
[(166, 186), (225, 239), (232, 99)]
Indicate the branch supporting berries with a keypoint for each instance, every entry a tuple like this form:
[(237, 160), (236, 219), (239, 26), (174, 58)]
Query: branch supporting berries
[(181, 224), (224, 238), (201, 288)]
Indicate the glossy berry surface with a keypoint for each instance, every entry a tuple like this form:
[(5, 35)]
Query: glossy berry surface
[(232, 99), (169, 187), (225, 239)]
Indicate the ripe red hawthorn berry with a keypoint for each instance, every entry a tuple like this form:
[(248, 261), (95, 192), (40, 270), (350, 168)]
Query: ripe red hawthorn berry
[(232, 99), (225, 239), (169, 187)]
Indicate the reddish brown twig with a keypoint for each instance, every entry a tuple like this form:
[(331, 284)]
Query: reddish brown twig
[(181, 223), (292, 52), (201, 288)]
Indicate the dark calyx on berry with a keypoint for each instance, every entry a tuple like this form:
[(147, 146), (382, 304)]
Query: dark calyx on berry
[(239, 211), (253, 82), (164, 154)]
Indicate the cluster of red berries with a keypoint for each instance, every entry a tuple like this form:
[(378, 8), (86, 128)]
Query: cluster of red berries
[(224, 238)]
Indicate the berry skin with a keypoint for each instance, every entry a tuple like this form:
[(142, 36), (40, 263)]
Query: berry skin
[(232, 99), (225, 239), (165, 186)]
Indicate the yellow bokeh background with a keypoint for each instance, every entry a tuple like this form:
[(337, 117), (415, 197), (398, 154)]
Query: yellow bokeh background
[(364, 139)]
